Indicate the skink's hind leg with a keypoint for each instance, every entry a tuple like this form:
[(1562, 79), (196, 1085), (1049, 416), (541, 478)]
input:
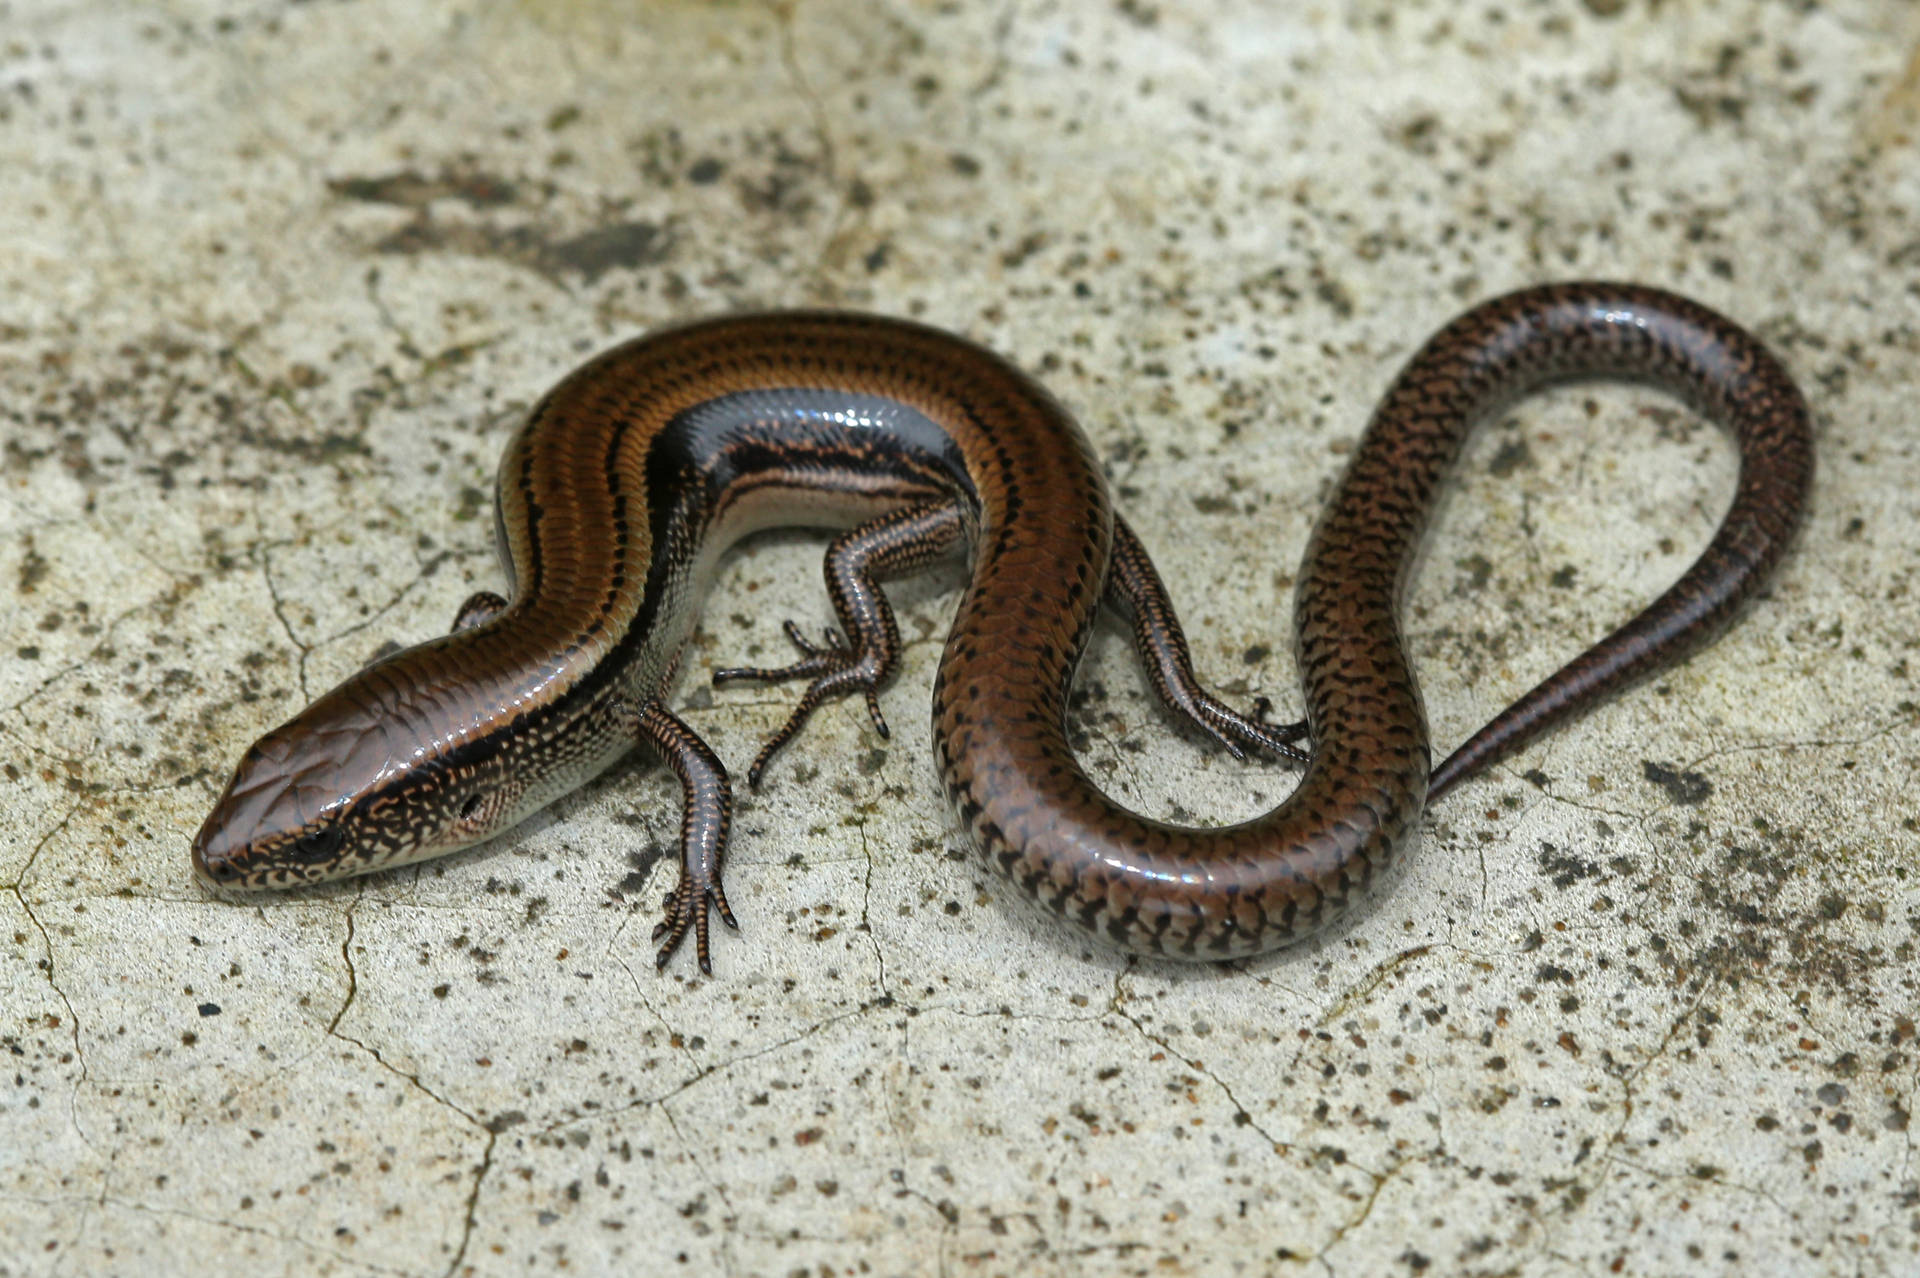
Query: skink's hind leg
[(893, 545), (482, 606), (706, 812), (1135, 590)]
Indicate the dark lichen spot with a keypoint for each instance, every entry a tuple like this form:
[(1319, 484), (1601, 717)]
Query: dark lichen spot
[(1512, 456), (622, 246), (414, 190), (1687, 788)]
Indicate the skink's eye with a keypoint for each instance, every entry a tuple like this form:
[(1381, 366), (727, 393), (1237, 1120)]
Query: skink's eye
[(317, 845)]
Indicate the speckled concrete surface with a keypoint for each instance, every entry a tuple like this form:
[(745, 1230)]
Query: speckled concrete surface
[(275, 280)]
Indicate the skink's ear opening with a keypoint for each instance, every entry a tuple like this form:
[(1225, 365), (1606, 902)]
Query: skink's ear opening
[(477, 812)]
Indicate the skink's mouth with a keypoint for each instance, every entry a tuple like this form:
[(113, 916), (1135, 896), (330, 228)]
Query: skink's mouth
[(218, 874)]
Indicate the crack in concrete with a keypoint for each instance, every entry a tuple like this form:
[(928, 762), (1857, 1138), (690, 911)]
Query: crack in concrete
[(1116, 1004), (403, 339), (1359, 1218), (90, 661), (705, 1072), (346, 958), (264, 549), (1366, 985), (1904, 723), (783, 15), (866, 917), (1688, 1178), (948, 1226), (1904, 1186), (1377, 1179), (425, 569), (948, 1213), (268, 392), (469, 1221), (713, 1183), (51, 971), (1591, 1183), (221, 1222), (679, 1041)]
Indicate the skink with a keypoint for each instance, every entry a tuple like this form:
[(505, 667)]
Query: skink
[(634, 473)]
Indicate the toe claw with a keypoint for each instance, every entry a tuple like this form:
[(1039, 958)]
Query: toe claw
[(834, 668), (685, 911), (798, 638)]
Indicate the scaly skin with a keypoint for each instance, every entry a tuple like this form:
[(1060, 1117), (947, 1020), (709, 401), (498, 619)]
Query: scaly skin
[(1272, 880), (633, 473)]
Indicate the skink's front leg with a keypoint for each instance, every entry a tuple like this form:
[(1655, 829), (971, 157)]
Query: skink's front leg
[(706, 814)]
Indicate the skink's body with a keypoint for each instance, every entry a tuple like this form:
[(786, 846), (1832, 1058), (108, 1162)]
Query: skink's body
[(634, 473)]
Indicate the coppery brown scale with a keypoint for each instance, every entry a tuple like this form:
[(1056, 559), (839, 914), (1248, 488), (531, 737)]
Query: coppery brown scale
[(636, 471)]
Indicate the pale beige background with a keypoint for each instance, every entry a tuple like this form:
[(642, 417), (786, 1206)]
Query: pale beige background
[(275, 281)]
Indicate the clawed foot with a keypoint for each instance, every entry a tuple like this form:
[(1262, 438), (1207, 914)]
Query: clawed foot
[(1239, 734), (687, 910), (836, 668)]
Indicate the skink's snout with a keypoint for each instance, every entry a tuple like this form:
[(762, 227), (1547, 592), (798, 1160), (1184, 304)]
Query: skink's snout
[(292, 813), (217, 854), (211, 865), (259, 812)]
